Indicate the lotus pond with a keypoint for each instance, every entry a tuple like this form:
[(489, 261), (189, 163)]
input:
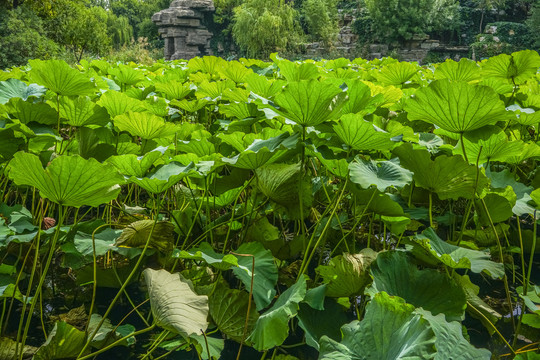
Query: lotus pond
[(246, 209)]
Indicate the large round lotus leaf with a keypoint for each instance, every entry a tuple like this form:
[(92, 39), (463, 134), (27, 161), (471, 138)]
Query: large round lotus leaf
[(360, 134), (359, 98), (347, 274), (147, 126), (326, 321), (393, 273), (464, 70), (228, 308), (9, 348), (397, 73), (125, 74), (382, 174), (68, 180), (517, 67), (448, 177), (164, 177), (61, 78), (456, 106), (390, 330), (27, 112), (81, 111), (118, 103), (450, 342), (175, 305), (15, 88), (375, 201), (137, 234), (272, 327), (308, 103), (133, 165)]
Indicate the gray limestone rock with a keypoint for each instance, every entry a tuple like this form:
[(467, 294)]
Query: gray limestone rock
[(181, 25)]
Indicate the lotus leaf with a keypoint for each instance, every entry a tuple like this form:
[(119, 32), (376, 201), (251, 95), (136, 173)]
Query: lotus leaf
[(68, 180), (14, 88), (448, 177), (27, 112), (517, 67), (347, 274), (138, 233), (145, 125), (464, 70), (175, 305), (359, 134), (118, 103), (228, 308), (126, 75), (381, 174), (272, 327), (164, 177), (63, 342), (397, 73), (390, 330), (265, 275), (394, 273), (61, 78), (456, 106), (327, 321), (81, 111), (429, 247)]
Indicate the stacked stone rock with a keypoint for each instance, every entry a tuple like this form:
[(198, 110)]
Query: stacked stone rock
[(181, 25)]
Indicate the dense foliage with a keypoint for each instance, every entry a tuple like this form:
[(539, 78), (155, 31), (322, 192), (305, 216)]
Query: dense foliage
[(334, 209)]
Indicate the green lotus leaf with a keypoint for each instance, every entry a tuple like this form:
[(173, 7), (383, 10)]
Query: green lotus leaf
[(308, 103), (430, 248), (228, 309), (265, 275), (375, 201), (14, 88), (10, 143), (147, 126), (528, 356), (487, 144), (81, 111), (236, 71), (272, 327), (326, 321), (27, 112), (293, 71), (191, 106), (125, 74), (263, 86), (475, 305), (381, 174), (338, 167), (133, 165), (397, 73), (118, 103), (456, 106), (9, 349), (63, 342), (261, 152), (137, 234), (465, 70), (173, 90), (502, 179), (207, 64), (448, 177), (359, 134), (394, 274), (61, 78), (214, 89), (175, 305), (105, 335), (164, 177), (517, 67), (450, 342), (535, 196), (346, 275), (396, 224), (240, 110), (390, 330), (205, 252), (359, 98), (499, 204), (68, 180), (285, 185), (199, 147)]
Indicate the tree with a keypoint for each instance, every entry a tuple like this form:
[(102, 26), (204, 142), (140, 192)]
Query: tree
[(22, 38), (264, 26), (320, 17), (399, 20)]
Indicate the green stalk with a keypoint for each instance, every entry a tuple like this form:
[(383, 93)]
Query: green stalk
[(430, 209), (505, 278), (463, 147), (124, 285), (62, 210)]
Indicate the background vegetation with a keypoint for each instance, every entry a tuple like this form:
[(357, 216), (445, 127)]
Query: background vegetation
[(122, 30)]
